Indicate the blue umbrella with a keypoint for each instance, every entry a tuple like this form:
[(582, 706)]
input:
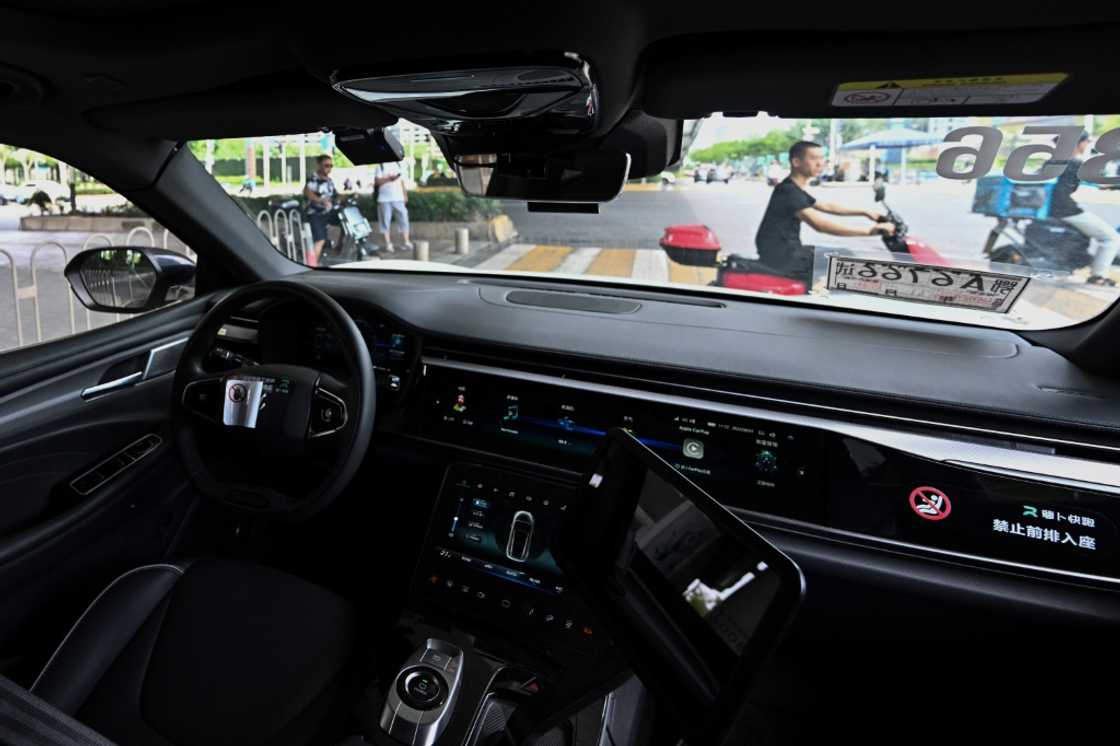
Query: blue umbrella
[(893, 138)]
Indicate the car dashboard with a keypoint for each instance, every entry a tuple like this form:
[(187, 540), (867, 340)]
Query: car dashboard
[(838, 482)]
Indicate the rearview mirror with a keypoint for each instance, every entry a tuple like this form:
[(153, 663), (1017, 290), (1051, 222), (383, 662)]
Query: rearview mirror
[(130, 279), (367, 146), (880, 191), (574, 177)]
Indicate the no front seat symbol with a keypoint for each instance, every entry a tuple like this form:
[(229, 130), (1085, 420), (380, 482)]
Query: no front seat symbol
[(237, 393), (930, 503)]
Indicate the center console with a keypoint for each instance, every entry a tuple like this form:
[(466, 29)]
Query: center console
[(423, 696), (500, 642)]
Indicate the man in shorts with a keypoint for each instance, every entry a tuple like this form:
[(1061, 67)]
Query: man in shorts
[(392, 202), (320, 193)]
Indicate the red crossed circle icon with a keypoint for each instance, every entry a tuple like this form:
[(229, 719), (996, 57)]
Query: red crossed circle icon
[(930, 503)]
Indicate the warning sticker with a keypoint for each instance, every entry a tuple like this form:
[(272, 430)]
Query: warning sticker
[(922, 283), (930, 503), (982, 89)]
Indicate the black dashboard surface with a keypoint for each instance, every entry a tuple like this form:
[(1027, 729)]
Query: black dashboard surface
[(856, 378), (845, 359), (540, 386)]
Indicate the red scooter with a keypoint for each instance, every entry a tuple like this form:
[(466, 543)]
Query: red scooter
[(697, 246)]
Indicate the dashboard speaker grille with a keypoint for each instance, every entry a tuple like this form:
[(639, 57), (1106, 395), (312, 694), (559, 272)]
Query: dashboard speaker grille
[(572, 301)]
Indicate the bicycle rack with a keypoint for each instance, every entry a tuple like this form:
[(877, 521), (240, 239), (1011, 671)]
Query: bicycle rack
[(140, 229), (281, 219), (100, 236), (15, 296), (271, 230), (32, 291)]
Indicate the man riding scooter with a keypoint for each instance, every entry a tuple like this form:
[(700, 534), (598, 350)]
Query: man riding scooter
[(1064, 207), (779, 235)]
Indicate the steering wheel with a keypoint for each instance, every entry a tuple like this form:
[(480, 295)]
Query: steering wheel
[(274, 439)]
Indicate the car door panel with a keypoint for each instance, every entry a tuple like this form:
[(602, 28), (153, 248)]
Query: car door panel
[(59, 544), (24, 368)]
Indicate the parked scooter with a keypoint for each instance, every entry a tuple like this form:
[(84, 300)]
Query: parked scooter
[(698, 246), (354, 242)]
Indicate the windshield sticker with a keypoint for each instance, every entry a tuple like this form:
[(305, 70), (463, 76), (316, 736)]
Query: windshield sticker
[(983, 89), (921, 283), (1057, 145)]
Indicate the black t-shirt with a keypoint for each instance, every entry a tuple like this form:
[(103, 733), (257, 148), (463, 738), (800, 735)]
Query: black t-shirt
[(1061, 201), (779, 235)]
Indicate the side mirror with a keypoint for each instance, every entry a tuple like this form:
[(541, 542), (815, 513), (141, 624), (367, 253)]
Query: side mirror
[(130, 279), (880, 190)]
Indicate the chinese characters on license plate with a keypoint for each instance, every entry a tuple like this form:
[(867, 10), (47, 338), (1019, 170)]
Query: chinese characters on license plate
[(943, 286)]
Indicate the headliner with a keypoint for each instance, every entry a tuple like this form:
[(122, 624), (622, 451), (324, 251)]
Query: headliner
[(119, 72)]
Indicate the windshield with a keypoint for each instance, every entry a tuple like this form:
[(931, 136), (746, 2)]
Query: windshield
[(1007, 222)]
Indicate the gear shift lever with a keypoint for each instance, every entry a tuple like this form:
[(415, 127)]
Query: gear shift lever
[(423, 694)]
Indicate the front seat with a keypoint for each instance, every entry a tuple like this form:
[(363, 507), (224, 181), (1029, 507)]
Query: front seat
[(204, 653)]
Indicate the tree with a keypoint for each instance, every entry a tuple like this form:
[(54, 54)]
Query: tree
[(6, 156), (26, 160), (772, 144), (1103, 124)]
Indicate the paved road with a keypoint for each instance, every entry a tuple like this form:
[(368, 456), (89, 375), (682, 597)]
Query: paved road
[(622, 241)]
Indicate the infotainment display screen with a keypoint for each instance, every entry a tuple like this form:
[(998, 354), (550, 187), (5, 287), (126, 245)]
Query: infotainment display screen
[(770, 467), (693, 596), (502, 531), (488, 555), (743, 462)]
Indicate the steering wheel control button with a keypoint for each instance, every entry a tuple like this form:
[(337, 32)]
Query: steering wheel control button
[(422, 689), (435, 659), (204, 398), (328, 413)]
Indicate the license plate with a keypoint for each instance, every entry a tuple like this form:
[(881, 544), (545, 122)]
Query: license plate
[(925, 283)]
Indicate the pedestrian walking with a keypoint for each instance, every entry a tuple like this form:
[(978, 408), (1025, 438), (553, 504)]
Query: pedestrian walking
[(392, 202)]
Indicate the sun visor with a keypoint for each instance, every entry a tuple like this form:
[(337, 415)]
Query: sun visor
[(800, 75), (273, 106)]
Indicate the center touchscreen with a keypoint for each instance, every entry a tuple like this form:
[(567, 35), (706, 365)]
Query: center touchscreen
[(489, 556)]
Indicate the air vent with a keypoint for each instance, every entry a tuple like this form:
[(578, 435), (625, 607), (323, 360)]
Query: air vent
[(572, 301)]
